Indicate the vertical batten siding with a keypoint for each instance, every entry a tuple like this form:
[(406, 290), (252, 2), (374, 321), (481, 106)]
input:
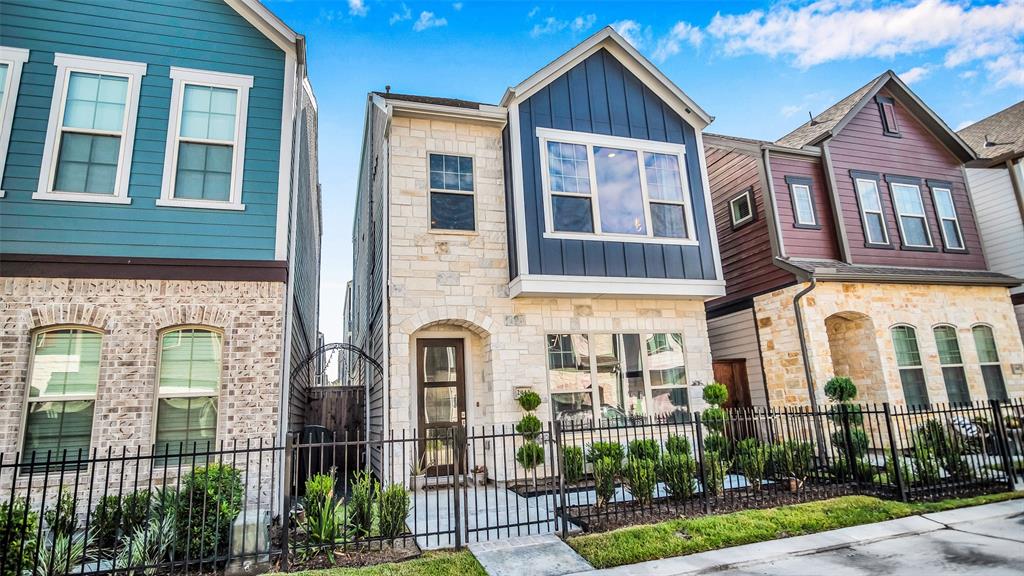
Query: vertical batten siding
[(600, 96), (1002, 229), (206, 35), (804, 242), (862, 146), (734, 337)]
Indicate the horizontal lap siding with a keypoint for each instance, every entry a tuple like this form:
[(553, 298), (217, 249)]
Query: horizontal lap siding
[(1002, 228), (734, 337), (600, 96), (861, 145), (746, 251), (804, 242), (206, 35)]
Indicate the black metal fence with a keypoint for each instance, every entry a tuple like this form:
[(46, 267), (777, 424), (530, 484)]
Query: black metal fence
[(316, 501)]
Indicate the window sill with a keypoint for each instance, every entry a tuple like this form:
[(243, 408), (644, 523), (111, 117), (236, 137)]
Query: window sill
[(81, 197), (807, 226), (444, 232), (918, 248), (624, 238), (204, 204)]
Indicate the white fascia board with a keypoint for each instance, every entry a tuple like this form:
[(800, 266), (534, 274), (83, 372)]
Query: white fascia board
[(266, 22), (496, 115), (285, 157), (600, 286), (709, 207)]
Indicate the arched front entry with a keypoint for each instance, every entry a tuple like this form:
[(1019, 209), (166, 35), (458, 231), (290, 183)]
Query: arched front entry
[(853, 346)]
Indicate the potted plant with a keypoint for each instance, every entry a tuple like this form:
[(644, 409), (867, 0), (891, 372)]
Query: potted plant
[(479, 475), (418, 473)]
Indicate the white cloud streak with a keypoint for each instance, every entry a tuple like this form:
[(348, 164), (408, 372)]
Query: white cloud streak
[(552, 25), (428, 20), (670, 44), (631, 30), (401, 16), (915, 74), (357, 8)]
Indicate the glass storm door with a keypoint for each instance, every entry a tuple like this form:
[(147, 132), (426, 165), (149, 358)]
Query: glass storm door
[(441, 376)]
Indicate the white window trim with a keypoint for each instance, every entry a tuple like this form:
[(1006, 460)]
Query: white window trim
[(900, 214), (238, 82), (750, 204), (161, 395), (955, 219), (589, 140), (796, 205), (14, 58), (66, 64), (864, 212), (431, 190)]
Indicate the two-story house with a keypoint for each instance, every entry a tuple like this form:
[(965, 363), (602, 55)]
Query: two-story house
[(560, 240), (850, 248), (159, 224), (997, 186)]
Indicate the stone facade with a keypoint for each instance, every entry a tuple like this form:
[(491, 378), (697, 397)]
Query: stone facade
[(445, 284), (847, 328)]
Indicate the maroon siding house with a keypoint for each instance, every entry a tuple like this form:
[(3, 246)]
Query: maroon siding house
[(850, 248)]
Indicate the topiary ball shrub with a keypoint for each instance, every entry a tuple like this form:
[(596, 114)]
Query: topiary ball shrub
[(859, 442), (644, 448), (840, 389), (528, 400), (599, 450), (714, 418), (718, 444), (530, 426), (677, 445), (716, 394), (530, 455)]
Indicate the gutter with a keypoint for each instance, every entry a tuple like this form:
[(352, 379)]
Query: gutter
[(803, 341)]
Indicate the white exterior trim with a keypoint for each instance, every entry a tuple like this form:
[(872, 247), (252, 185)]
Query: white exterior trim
[(284, 174), (596, 286), (923, 215), (267, 23), (709, 209), (66, 64), (14, 58), (746, 196), (484, 115), (518, 195)]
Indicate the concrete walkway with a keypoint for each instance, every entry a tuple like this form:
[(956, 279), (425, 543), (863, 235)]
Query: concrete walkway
[(985, 539), (529, 556)]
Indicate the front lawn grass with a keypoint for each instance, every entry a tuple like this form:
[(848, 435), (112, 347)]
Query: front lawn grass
[(690, 535), (430, 564)]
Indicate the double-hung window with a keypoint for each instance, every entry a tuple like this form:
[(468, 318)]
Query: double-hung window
[(908, 360), (949, 223), (876, 233), (804, 213), (632, 190), (189, 381), (205, 153), (988, 358), (910, 214), (87, 154), (64, 374), (452, 205), (952, 364), (11, 61)]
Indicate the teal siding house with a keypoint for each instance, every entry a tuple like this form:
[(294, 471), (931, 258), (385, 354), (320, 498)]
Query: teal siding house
[(159, 224)]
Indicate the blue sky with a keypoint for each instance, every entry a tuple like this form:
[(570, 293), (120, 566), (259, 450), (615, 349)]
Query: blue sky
[(758, 67)]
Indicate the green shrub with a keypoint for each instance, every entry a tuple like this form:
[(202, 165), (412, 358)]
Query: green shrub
[(599, 450), (325, 515), (925, 464), (18, 529), (572, 463), (393, 507), (529, 426), (364, 487), (115, 517), (889, 476), (61, 517), (752, 457), (945, 447), (846, 415), (840, 389), (209, 502), (530, 455), (861, 471), (858, 442), (716, 394), (605, 471), (717, 443), (791, 459), (716, 465), (714, 418), (677, 444), (644, 448), (679, 473), (640, 478), (528, 400)]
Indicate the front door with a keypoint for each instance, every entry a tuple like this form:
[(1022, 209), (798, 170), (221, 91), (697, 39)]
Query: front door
[(733, 373), (441, 389)]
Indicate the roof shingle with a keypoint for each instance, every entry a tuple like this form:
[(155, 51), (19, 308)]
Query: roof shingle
[(815, 128), (998, 136)]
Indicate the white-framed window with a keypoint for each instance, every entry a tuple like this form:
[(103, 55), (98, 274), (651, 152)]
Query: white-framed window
[(804, 213), (630, 190), (953, 374), (11, 62), (988, 359), (908, 361), (617, 376), (206, 129), (910, 214), (949, 222), (87, 155), (452, 201), (188, 384), (64, 373), (869, 199), (741, 208)]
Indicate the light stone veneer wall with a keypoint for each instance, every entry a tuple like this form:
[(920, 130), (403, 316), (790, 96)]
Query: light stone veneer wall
[(848, 311), (456, 285), (131, 313)]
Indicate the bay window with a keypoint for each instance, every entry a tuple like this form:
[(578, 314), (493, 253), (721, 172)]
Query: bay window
[(606, 186), (189, 381)]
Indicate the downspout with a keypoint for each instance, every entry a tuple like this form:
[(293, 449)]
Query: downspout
[(803, 341)]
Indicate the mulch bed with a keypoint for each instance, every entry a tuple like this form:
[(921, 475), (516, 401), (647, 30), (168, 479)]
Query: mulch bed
[(547, 487), (352, 555)]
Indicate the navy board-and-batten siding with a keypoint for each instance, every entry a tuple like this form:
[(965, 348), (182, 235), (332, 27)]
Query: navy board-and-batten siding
[(600, 96)]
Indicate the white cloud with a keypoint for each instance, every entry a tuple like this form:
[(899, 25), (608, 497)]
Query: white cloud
[(968, 74), (631, 30), (671, 43), (428, 20), (533, 12), (457, 6), (402, 16), (357, 8), (915, 74), (828, 30), (963, 125), (552, 25)]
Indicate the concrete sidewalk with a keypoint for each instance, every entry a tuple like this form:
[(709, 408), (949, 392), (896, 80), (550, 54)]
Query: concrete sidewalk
[(982, 539)]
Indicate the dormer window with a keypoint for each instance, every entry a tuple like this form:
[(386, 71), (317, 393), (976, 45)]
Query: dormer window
[(887, 109), (632, 190)]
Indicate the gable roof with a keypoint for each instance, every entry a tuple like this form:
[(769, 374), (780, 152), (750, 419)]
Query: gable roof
[(834, 119), (453, 102), (999, 137), (270, 25), (622, 50)]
